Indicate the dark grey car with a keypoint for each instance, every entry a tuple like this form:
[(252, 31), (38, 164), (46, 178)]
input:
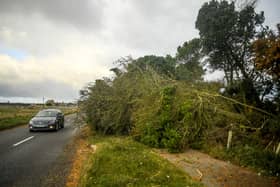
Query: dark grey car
[(48, 119)]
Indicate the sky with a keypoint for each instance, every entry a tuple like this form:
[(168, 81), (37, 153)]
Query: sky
[(53, 48)]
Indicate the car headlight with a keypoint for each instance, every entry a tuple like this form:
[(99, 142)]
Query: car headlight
[(31, 122)]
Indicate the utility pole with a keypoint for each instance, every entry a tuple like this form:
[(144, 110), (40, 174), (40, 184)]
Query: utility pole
[(43, 102)]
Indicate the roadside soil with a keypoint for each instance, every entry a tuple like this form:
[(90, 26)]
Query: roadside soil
[(216, 173), (83, 149)]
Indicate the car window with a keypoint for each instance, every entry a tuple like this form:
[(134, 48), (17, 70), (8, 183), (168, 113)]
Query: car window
[(47, 114)]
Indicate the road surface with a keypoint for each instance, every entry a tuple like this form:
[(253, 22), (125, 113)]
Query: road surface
[(27, 159)]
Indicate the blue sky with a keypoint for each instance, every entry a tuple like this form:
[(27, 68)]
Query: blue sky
[(13, 53)]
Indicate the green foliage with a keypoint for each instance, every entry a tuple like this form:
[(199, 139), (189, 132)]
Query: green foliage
[(50, 102), (190, 71), (163, 131), (226, 34), (110, 104), (10, 122), (124, 162), (163, 66), (189, 50), (271, 128), (172, 139), (248, 155), (143, 101), (189, 57), (12, 115), (112, 112), (254, 156), (178, 122)]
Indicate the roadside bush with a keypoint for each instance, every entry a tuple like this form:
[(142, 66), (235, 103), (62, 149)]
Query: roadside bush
[(256, 157), (160, 132), (176, 124)]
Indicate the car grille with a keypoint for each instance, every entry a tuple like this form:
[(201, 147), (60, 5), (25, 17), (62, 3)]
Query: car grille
[(40, 122)]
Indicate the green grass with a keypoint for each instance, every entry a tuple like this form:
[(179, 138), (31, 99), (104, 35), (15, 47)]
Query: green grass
[(12, 116), (120, 161), (252, 156), (10, 122)]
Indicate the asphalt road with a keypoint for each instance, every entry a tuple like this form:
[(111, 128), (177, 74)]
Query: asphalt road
[(26, 159)]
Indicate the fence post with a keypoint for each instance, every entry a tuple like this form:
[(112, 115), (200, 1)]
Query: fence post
[(278, 149), (229, 139)]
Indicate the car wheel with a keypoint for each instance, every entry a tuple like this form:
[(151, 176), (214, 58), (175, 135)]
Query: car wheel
[(30, 130), (62, 125), (56, 127)]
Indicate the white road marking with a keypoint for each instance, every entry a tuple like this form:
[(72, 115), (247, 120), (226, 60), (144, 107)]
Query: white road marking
[(22, 141)]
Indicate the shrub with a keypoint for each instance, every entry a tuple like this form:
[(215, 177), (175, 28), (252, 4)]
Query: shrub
[(175, 124), (254, 156)]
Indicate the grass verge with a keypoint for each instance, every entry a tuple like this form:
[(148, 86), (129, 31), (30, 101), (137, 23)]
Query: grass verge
[(264, 162), (10, 122), (82, 151), (120, 161)]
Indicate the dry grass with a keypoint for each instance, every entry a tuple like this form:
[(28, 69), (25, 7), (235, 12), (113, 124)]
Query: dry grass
[(80, 158)]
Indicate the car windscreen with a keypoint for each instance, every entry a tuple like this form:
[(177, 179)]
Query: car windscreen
[(47, 114)]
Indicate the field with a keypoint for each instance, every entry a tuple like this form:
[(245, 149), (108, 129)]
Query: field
[(15, 115)]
